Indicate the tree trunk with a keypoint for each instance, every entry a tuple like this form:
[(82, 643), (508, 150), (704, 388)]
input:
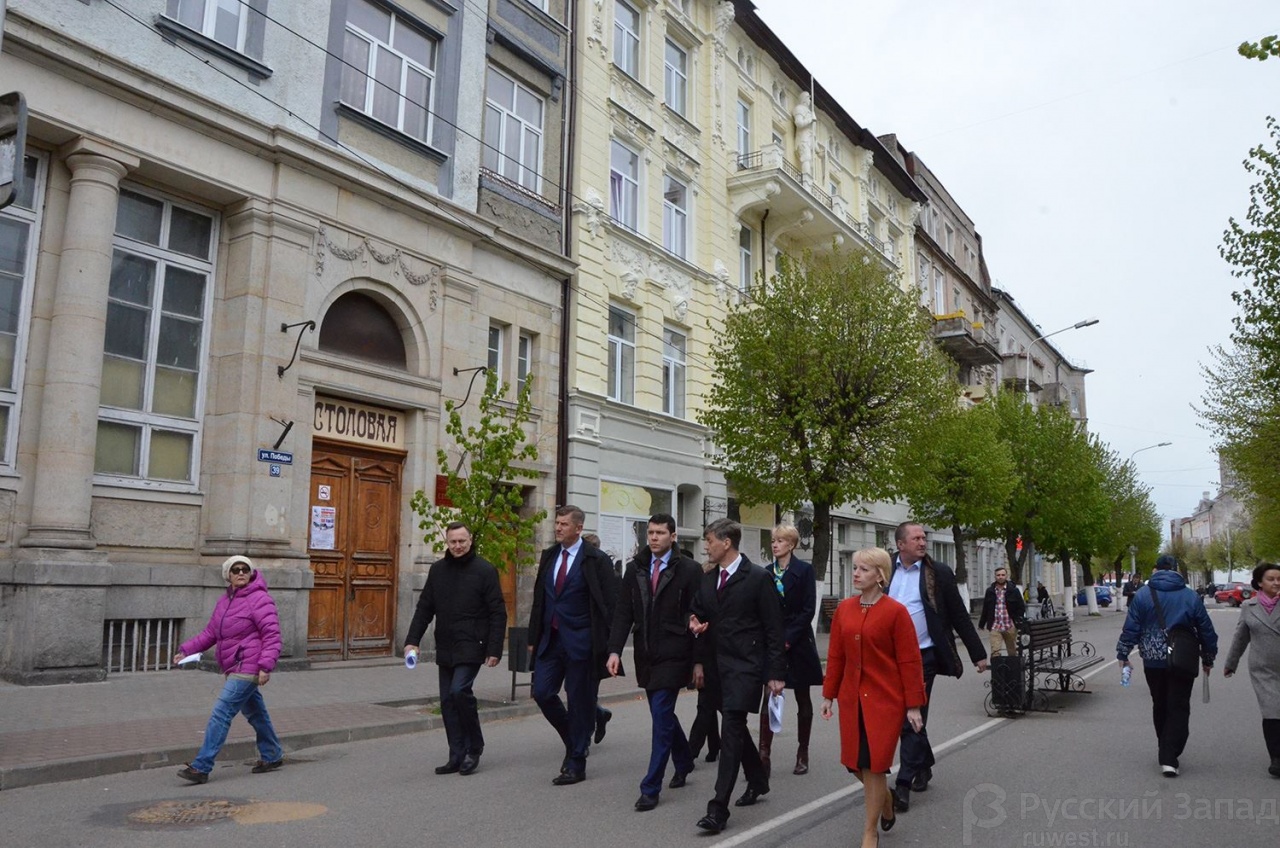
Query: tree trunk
[(1068, 590), (1011, 554), (962, 573), (821, 541)]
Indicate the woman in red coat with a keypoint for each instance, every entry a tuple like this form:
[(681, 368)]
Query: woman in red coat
[(873, 659)]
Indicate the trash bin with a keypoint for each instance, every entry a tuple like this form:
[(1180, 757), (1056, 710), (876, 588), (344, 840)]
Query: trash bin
[(518, 650)]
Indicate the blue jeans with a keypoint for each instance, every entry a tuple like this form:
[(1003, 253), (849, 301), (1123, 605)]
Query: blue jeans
[(459, 710), (238, 696), (668, 741)]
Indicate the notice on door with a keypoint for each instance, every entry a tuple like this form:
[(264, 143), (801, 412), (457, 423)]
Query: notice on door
[(323, 521)]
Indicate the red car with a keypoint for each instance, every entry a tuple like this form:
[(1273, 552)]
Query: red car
[(1233, 593)]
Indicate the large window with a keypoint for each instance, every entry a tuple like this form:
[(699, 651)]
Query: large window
[(673, 369), (157, 314), (18, 230), (622, 355), (675, 78), (513, 131), (624, 185), (495, 349), (939, 292), (225, 21), (744, 127), (746, 265), (675, 217), (626, 38), (389, 69), (524, 361)]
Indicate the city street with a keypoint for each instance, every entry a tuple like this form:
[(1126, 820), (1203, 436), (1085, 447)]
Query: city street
[(1083, 776)]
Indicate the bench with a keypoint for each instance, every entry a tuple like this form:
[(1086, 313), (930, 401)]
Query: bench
[(1048, 661)]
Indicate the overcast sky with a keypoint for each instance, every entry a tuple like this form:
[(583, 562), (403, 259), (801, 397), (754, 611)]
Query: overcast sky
[(1097, 145)]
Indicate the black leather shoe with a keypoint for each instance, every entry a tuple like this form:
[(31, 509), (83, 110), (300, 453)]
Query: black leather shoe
[(469, 764), (568, 778), (920, 783), (678, 780), (192, 775), (450, 767), (262, 767), (711, 823), (645, 803), (602, 719), (901, 797), (1274, 771), (748, 798), (887, 824)]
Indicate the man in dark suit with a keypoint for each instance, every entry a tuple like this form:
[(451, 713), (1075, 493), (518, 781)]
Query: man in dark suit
[(737, 618), (657, 591), (573, 600), (928, 590)]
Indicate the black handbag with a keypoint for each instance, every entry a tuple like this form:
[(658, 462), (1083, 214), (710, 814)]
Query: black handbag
[(1184, 644)]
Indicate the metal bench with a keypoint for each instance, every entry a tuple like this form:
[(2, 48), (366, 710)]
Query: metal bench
[(1049, 661)]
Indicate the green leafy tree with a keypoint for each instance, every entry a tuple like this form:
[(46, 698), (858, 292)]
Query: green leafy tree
[(960, 474), (482, 471), (821, 384), (1134, 519), (1267, 46)]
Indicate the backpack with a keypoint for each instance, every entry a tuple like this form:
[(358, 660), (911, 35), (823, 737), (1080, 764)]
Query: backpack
[(1184, 644)]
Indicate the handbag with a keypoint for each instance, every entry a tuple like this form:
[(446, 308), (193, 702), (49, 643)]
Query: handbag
[(1184, 645)]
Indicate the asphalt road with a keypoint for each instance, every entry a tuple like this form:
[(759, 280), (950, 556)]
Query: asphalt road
[(1083, 776)]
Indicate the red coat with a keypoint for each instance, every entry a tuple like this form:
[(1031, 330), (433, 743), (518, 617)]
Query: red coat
[(873, 665)]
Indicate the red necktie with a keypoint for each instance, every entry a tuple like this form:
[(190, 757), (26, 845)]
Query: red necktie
[(657, 572), (724, 578), (563, 573)]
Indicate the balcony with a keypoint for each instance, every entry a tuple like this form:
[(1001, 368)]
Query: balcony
[(766, 180), (967, 343), (1014, 372)]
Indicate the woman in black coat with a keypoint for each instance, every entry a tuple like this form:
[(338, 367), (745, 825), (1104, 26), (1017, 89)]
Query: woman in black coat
[(798, 588)]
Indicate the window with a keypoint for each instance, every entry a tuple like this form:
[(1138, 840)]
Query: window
[(626, 38), (225, 21), (675, 78), (19, 225), (924, 272), (622, 355), (513, 131), (950, 244), (939, 292), (624, 185), (746, 265), (157, 314), (675, 216), (673, 367), (541, 4), (524, 361), (389, 69), (833, 189), (495, 349), (744, 127)]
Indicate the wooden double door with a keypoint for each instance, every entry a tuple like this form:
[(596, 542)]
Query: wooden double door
[(354, 517)]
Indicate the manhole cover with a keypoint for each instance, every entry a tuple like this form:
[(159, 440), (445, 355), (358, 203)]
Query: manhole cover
[(184, 812)]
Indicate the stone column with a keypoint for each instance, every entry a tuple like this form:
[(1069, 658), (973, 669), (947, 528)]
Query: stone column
[(62, 494)]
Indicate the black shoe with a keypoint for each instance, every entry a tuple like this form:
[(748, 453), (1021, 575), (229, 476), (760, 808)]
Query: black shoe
[(749, 797), (645, 803), (262, 768), (469, 764), (602, 719), (713, 823), (568, 778), (450, 767), (712, 756), (192, 775), (678, 780), (1274, 771), (887, 824), (920, 783), (901, 797)]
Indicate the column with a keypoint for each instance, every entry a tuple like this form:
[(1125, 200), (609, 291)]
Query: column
[(62, 492)]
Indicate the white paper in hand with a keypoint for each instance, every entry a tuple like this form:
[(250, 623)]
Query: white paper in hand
[(189, 659), (775, 713)]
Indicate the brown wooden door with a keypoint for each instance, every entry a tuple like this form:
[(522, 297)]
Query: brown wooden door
[(352, 605)]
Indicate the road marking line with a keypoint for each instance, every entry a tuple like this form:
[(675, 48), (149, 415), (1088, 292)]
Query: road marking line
[(840, 794)]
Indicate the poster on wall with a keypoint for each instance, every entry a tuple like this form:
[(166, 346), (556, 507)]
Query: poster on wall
[(323, 522)]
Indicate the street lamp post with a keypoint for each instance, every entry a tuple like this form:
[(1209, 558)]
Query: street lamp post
[(1133, 549), (1076, 326)]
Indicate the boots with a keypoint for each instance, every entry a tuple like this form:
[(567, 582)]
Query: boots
[(804, 726), (766, 743)]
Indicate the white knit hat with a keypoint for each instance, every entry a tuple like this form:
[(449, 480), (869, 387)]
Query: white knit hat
[(232, 560)]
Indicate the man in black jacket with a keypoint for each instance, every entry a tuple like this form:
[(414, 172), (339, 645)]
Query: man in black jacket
[(573, 599), (1002, 609), (462, 594), (928, 590), (657, 591)]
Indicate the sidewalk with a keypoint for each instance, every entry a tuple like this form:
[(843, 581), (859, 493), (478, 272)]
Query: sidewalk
[(157, 719)]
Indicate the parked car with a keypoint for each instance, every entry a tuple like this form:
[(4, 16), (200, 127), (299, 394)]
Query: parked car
[(1233, 593), (1102, 591)]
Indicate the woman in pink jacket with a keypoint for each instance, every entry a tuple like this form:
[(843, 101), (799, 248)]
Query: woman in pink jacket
[(246, 628)]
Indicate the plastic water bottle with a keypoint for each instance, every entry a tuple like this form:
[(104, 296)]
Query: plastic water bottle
[(411, 659), (1125, 674)]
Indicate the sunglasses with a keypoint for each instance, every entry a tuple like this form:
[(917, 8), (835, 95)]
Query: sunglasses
[(240, 569)]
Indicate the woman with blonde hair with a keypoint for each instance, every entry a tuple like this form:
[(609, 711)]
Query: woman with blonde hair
[(798, 591), (873, 658)]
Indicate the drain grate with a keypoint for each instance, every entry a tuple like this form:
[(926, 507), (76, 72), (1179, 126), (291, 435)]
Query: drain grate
[(184, 812)]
